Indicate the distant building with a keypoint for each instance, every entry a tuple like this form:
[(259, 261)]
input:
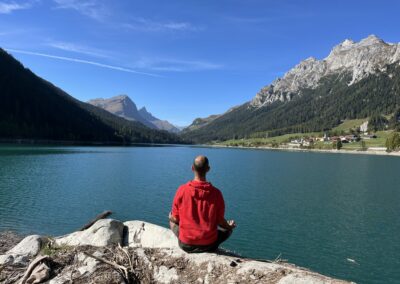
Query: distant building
[(364, 127), (335, 138)]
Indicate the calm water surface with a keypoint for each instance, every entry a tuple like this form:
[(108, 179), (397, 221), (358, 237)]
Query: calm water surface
[(314, 209)]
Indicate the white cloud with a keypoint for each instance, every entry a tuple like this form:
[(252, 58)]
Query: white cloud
[(143, 24), (98, 10), (76, 48), (91, 8), (175, 65), (9, 7), (98, 64)]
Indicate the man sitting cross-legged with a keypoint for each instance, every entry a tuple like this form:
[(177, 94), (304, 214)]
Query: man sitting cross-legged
[(197, 211)]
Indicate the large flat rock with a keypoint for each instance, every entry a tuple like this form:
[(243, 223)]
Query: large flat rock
[(143, 234), (159, 252), (157, 257)]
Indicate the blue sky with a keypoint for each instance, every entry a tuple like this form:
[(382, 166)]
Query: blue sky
[(181, 59)]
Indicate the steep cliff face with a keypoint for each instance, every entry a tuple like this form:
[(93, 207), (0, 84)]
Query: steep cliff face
[(122, 106), (360, 59)]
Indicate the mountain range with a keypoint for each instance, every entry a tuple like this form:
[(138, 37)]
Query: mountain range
[(124, 107), (33, 108), (356, 80)]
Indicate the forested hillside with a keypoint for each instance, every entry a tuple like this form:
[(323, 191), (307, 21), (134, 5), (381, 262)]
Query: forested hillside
[(316, 109), (32, 108)]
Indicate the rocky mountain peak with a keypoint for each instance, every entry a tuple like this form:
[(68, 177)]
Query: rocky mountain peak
[(123, 106), (372, 39), (358, 58), (347, 43), (146, 114), (122, 97)]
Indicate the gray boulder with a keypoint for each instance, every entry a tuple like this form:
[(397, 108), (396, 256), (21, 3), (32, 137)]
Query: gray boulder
[(28, 247), (102, 233)]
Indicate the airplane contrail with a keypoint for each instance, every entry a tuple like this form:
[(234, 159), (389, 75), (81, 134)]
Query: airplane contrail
[(102, 65)]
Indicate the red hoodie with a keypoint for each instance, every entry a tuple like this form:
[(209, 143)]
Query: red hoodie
[(199, 207)]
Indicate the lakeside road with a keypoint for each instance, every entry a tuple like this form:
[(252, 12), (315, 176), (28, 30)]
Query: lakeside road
[(342, 151)]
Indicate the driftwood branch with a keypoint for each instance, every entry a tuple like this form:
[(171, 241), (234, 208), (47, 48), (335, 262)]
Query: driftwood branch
[(103, 215), (31, 267)]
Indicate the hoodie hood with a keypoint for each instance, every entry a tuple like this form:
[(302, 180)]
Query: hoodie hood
[(200, 189)]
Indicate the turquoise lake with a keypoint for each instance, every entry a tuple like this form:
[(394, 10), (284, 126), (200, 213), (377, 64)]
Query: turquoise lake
[(314, 209)]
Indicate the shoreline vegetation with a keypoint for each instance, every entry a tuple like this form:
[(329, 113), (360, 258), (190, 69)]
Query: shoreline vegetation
[(238, 144), (382, 152), (376, 143)]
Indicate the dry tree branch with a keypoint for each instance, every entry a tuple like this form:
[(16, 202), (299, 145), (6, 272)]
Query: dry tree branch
[(103, 215), (127, 256), (121, 269)]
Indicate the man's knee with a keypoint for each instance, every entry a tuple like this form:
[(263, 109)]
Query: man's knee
[(224, 235)]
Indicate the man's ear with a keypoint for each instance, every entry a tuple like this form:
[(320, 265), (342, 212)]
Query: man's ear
[(208, 169), (192, 168)]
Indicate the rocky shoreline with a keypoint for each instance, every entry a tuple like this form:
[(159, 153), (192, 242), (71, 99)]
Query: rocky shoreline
[(111, 251)]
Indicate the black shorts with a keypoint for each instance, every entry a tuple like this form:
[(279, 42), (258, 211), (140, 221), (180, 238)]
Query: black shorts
[(222, 237)]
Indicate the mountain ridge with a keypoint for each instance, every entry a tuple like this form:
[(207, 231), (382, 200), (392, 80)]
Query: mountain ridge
[(160, 124), (355, 80), (361, 58)]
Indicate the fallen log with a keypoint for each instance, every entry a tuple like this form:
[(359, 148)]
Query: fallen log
[(103, 215)]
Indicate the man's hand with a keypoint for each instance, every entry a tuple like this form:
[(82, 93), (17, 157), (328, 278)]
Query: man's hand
[(232, 224), (172, 218), (228, 225)]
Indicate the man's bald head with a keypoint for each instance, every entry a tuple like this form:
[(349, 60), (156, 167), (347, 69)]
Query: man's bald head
[(201, 165)]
